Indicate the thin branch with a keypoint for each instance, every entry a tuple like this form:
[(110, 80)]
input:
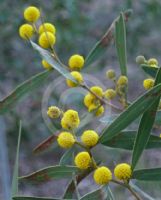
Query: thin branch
[(102, 101), (128, 187)]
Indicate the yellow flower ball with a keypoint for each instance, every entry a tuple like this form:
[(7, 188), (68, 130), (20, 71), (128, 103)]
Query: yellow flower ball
[(26, 31), (70, 120), (102, 175), (100, 111), (93, 107), (148, 83), (91, 102), (110, 74), (64, 124), (89, 138), (89, 99), (47, 27), (32, 14), (123, 171), (76, 62), (53, 112), (97, 90), (77, 76), (47, 40), (122, 81), (153, 62), (65, 140), (82, 160), (46, 65), (110, 94)]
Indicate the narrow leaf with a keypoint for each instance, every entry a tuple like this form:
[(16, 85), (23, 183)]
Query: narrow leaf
[(34, 82), (153, 174), (100, 193), (110, 194), (125, 140), (71, 187), (14, 188), (152, 71), (46, 55), (49, 173), (108, 119), (101, 46), (146, 125), (120, 38), (67, 158), (46, 144), (141, 192), (131, 113)]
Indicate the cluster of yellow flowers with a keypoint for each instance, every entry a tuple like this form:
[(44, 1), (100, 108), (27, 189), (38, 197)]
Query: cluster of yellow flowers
[(92, 99), (46, 31), (46, 39), (152, 62), (69, 119), (102, 174), (89, 138), (92, 102), (75, 63)]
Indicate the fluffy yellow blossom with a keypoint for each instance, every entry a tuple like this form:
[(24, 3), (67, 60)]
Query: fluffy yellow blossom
[(148, 83), (47, 27), (47, 40), (102, 175), (89, 138), (97, 90), (91, 102), (110, 74), (89, 99), (153, 62), (122, 81), (100, 111), (77, 76), (82, 160), (76, 62), (110, 94), (123, 171), (53, 112), (46, 65), (140, 60), (70, 120), (65, 140), (26, 31), (31, 14)]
